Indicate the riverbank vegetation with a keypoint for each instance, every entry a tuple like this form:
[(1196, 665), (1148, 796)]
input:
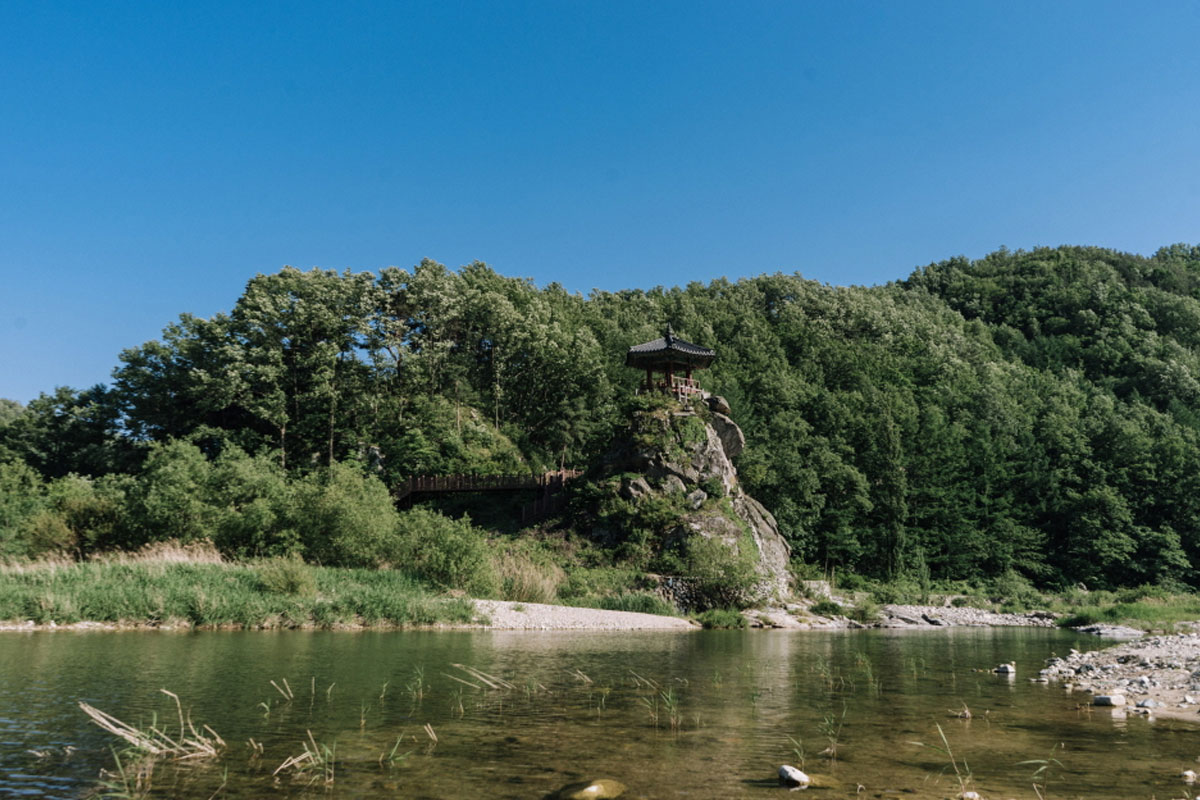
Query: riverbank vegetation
[(1030, 416), (193, 587)]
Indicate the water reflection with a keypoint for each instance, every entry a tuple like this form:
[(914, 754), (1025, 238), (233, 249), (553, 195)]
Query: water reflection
[(519, 714)]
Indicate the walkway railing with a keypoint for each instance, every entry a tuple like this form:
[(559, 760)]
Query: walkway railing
[(548, 482)]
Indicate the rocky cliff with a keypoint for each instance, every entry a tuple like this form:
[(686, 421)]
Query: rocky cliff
[(668, 495)]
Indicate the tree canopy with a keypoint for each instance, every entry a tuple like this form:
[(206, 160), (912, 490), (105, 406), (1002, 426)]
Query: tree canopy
[(1036, 412)]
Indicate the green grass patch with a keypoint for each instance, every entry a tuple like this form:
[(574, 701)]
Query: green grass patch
[(641, 602), (722, 618), (826, 608), (263, 595), (1151, 614)]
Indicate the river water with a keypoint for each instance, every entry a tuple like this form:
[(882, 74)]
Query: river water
[(678, 715)]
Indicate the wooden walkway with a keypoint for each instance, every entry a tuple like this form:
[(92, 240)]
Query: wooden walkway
[(438, 484)]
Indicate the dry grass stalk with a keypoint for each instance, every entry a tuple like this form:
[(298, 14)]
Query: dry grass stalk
[(314, 757), (490, 680), (189, 744), (171, 551), (46, 563)]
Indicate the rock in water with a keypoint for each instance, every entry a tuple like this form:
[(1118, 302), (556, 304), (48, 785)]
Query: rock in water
[(599, 789), (790, 776), (1006, 669), (1108, 700)]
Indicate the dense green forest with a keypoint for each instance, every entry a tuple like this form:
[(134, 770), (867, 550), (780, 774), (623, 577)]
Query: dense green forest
[(1036, 412)]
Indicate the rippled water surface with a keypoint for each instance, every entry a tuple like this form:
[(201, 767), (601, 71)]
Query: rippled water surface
[(703, 715)]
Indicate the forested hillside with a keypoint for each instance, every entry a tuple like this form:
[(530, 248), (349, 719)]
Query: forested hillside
[(1031, 411)]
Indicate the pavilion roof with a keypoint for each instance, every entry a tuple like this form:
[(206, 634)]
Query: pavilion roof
[(669, 350)]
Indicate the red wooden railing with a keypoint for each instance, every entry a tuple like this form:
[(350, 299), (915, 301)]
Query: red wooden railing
[(682, 388)]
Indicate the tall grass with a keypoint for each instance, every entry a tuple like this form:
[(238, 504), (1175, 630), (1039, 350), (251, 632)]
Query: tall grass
[(206, 594)]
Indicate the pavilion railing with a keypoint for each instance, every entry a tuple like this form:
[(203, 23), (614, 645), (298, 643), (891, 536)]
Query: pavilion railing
[(682, 388)]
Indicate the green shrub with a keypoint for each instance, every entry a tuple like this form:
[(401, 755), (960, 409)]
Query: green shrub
[(853, 582), (826, 608), (1144, 592), (583, 582), (641, 602), (346, 518), (287, 576), (721, 618), (1014, 592), (448, 553), (865, 611), (722, 575), (526, 572)]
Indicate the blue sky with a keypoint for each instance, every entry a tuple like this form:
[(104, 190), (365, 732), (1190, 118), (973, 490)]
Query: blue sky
[(155, 156)]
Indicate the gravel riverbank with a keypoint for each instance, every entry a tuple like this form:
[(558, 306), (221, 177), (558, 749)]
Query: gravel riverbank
[(508, 615), (1155, 675)]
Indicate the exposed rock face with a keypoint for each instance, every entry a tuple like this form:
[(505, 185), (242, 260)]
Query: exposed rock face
[(678, 457)]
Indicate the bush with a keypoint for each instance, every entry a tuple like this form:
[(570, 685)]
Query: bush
[(346, 518), (597, 582), (1014, 592), (526, 572), (865, 611), (448, 553), (641, 602), (721, 618), (826, 608), (722, 575), (287, 576)]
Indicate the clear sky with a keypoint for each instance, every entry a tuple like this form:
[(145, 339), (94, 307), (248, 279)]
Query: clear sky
[(155, 156)]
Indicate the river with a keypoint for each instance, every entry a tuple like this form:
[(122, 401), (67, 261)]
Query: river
[(671, 715)]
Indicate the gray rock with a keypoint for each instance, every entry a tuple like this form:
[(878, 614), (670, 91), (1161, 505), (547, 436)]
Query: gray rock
[(1148, 703), (673, 484), (633, 488), (600, 789), (1108, 700), (675, 451), (718, 404), (731, 436), (790, 776)]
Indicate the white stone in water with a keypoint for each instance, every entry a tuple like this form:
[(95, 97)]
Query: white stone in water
[(1189, 776), (1108, 700), (790, 776), (970, 796), (1007, 669)]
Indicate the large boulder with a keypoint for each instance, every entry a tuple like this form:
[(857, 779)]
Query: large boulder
[(674, 466), (733, 441)]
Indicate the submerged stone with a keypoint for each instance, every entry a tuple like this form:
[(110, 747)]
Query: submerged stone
[(790, 776), (599, 789)]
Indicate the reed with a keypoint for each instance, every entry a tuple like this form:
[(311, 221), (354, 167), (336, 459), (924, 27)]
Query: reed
[(189, 743), (831, 728), (317, 762), (797, 750), (128, 782), (1041, 776), (963, 774), (670, 704), (394, 757)]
